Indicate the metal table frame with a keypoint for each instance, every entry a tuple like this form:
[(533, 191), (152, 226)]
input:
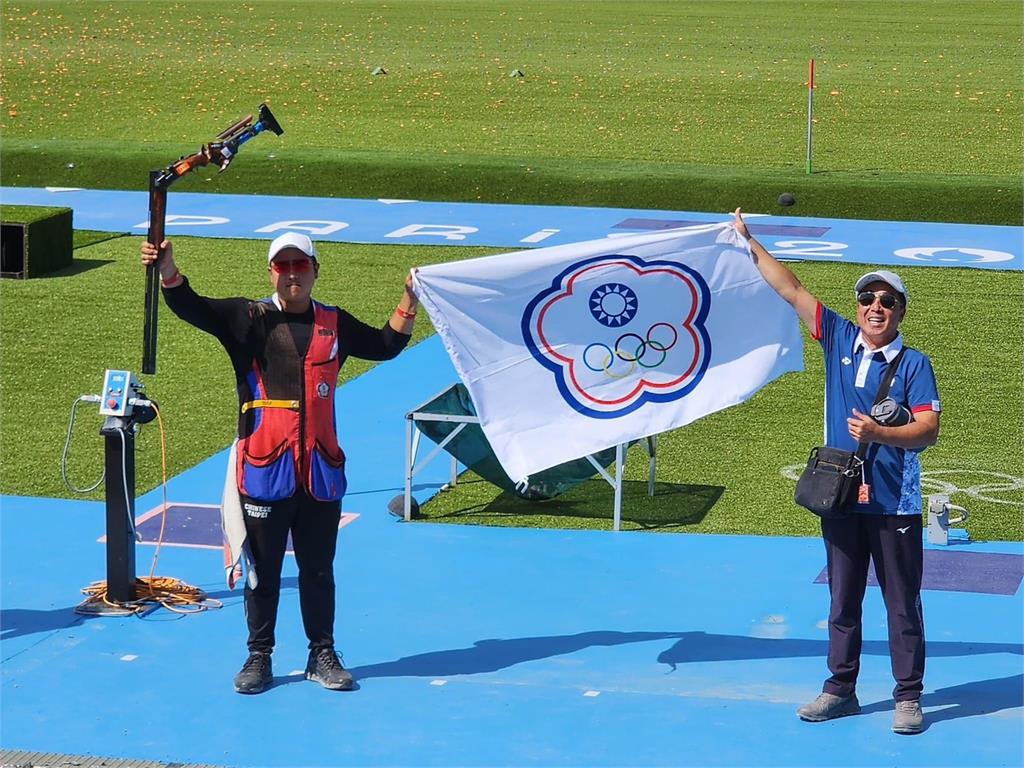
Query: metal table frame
[(412, 444)]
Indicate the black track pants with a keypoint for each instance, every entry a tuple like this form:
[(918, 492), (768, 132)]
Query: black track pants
[(314, 529)]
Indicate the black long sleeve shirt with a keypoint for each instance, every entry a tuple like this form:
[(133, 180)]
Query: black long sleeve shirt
[(242, 326)]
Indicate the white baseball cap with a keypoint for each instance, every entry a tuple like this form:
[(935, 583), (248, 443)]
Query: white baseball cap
[(291, 240), (884, 276)]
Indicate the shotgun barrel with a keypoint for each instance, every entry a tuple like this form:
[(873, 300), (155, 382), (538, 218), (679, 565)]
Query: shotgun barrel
[(221, 151)]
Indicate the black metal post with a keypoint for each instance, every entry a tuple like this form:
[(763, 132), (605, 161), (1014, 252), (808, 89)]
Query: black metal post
[(119, 460)]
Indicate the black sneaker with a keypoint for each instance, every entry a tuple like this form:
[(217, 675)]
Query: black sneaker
[(255, 675), (325, 667)]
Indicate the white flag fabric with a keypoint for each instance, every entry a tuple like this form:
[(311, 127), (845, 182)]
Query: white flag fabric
[(576, 348)]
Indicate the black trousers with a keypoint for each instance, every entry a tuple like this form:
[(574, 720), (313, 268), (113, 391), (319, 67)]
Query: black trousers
[(314, 528), (893, 543)]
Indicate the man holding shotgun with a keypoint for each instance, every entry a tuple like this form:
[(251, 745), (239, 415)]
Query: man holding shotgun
[(289, 469)]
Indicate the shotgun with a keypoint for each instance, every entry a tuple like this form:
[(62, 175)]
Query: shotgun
[(220, 152)]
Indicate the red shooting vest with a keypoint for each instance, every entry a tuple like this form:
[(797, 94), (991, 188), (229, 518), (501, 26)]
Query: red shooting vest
[(294, 434)]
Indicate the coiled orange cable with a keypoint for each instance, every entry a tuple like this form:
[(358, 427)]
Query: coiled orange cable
[(173, 594)]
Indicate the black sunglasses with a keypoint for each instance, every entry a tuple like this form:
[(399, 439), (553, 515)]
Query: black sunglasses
[(867, 298)]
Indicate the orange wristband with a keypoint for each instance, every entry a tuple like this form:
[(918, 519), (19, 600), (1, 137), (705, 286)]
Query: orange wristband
[(402, 313), (166, 282)]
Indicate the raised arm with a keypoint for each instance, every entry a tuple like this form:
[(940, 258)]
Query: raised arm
[(781, 278), (227, 319), (404, 316)]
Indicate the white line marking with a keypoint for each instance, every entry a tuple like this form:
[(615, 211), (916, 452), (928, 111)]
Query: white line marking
[(438, 682), (931, 483), (129, 657), (542, 234), (591, 694)]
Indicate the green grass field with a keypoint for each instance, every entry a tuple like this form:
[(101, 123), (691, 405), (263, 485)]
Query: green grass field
[(676, 105), (682, 106), (60, 332)]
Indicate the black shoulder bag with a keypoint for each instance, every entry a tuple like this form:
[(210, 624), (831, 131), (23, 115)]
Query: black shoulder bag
[(829, 481)]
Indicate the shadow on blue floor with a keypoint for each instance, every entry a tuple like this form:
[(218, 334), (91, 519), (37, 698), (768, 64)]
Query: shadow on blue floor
[(979, 697), (492, 655)]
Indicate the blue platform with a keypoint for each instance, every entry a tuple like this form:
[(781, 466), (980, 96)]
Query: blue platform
[(487, 646)]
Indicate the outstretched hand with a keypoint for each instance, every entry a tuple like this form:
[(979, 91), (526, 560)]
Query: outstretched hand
[(410, 292), (739, 224)]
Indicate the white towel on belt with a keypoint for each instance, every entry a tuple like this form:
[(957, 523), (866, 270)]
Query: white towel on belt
[(232, 523)]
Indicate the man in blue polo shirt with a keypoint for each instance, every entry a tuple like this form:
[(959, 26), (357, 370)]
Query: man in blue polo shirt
[(885, 524)]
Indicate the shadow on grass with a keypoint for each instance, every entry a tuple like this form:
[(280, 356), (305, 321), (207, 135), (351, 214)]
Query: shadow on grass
[(78, 266), (673, 504), (83, 238)]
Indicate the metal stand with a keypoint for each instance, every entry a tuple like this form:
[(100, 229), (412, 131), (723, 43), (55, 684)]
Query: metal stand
[(119, 460), (616, 481), (412, 443)]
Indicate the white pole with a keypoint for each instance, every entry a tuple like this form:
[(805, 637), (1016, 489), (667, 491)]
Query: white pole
[(619, 467), (408, 469)]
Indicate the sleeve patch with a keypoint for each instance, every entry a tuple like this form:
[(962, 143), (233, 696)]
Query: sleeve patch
[(816, 335)]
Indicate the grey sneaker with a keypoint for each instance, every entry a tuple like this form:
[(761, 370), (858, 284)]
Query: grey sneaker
[(908, 717), (256, 674), (325, 667), (828, 706)]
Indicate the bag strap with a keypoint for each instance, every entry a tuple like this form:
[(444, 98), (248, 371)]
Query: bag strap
[(888, 377)]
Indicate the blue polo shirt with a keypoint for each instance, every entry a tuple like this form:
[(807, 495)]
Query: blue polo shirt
[(852, 376)]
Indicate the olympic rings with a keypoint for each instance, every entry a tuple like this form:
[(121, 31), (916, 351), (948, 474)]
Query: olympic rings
[(641, 348), (606, 362), (658, 347), (675, 334), (627, 352)]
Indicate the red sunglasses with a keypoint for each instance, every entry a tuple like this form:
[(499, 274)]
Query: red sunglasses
[(292, 265)]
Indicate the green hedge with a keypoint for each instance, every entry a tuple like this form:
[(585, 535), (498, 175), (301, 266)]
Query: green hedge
[(36, 240)]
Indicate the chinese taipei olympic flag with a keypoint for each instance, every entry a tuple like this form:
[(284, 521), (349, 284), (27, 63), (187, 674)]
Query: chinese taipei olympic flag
[(575, 348)]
